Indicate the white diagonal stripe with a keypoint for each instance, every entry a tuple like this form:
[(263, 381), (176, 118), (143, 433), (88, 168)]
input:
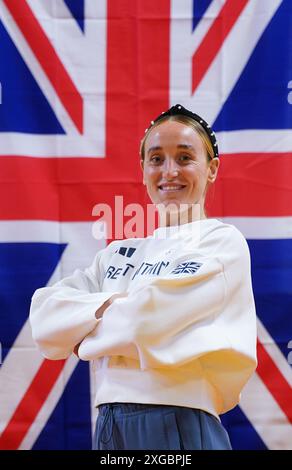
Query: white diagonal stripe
[(49, 405), (183, 44), (37, 71), (265, 415), (238, 47), (55, 16), (84, 57), (205, 24), (274, 352), (222, 75), (17, 374)]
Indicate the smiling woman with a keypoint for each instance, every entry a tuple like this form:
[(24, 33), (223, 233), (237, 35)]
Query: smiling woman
[(179, 159), (171, 331)]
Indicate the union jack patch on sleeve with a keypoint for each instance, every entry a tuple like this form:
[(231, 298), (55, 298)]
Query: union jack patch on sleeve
[(189, 267)]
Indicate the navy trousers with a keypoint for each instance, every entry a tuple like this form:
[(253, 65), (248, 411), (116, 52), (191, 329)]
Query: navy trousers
[(134, 426)]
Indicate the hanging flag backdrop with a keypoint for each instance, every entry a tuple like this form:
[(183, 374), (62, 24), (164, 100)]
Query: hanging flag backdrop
[(80, 80)]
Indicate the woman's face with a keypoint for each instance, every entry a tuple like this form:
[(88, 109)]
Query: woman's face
[(175, 168)]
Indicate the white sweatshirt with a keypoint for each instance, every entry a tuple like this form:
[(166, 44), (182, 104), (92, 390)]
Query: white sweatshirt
[(184, 336)]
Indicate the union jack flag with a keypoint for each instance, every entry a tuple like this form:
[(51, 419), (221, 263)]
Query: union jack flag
[(189, 267), (80, 82)]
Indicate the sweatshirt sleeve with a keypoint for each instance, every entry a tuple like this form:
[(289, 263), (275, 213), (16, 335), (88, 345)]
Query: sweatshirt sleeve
[(63, 314), (187, 314)]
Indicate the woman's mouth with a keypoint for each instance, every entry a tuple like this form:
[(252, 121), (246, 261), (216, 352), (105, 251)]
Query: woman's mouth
[(171, 187)]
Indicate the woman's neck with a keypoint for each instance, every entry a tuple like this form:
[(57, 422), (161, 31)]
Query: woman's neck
[(168, 219)]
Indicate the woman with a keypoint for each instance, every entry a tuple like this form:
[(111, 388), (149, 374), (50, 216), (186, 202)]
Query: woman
[(168, 320)]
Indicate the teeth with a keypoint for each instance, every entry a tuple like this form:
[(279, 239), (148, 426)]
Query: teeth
[(170, 188)]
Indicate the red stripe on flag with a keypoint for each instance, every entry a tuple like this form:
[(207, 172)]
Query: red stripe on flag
[(153, 61), (212, 42), (48, 59), (30, 405), (248, 185), (137, 78), (252, 185), (274, 381)]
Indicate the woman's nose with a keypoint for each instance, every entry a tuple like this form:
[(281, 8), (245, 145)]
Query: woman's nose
[(170, 169)]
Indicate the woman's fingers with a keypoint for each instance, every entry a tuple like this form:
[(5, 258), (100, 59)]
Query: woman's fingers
[(75, 350)]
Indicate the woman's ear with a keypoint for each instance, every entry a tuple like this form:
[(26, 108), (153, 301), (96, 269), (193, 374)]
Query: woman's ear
[(213, 169)]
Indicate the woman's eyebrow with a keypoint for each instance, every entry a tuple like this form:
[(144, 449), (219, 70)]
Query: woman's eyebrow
[(180, 146), (185, 146), (151, 149)]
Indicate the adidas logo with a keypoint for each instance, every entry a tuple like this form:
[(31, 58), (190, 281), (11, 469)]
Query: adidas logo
[(124, 251)]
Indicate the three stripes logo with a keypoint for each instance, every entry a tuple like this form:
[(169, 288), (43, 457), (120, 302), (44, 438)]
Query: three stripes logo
[(124, 251), (189, 267)]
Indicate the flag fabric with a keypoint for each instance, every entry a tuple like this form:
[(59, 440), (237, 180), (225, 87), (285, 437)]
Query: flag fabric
[(80, 80)]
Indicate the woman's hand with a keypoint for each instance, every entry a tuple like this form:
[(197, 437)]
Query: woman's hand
[(107, 303), (75, 350), (100, 311)]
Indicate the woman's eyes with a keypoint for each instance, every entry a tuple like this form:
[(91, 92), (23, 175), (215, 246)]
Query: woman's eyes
[(155, 159), (185, 157), (158, 159)]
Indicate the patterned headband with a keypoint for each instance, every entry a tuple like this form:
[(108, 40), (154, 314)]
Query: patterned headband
[(179, 109)]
